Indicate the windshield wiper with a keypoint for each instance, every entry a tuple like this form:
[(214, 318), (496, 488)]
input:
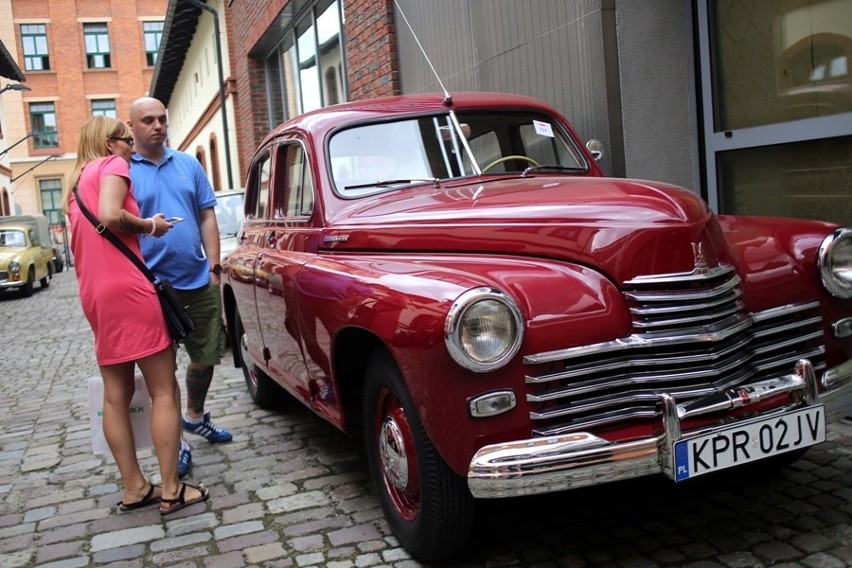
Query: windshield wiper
[(556, 167), (386, 182)]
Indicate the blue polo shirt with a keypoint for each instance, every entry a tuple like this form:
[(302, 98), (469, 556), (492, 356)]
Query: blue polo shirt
[(176, 187)]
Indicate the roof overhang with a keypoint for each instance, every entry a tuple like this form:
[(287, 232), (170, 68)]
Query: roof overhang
[(8, 67), (178, 31)]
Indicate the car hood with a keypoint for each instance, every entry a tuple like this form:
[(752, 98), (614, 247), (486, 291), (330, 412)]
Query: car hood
[(624, 228)]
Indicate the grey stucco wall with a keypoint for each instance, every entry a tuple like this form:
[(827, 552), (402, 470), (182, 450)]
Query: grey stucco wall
[(658, 91)]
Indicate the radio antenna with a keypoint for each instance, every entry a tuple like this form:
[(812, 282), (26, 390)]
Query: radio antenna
[(448, 99)]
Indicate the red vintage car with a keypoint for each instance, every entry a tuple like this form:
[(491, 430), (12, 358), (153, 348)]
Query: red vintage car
[(455, 279)]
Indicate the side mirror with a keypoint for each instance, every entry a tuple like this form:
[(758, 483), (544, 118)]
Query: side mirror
[(596, 148)]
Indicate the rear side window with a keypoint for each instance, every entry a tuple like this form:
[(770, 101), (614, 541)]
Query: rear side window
[(257, 188), (295, 190)]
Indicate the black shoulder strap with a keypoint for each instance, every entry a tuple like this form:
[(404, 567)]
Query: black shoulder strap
[(101, 228)]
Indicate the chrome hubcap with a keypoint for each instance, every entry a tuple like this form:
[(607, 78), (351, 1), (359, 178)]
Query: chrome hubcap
[(393, 455)]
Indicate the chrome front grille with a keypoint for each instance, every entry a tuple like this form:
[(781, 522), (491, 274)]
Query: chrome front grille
[(691, 337)]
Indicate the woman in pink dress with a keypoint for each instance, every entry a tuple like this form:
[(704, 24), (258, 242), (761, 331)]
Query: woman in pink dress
[(125, 314)]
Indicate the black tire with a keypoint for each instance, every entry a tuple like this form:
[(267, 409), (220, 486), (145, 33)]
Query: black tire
[(27, 289), (265, 392), (427, 505)]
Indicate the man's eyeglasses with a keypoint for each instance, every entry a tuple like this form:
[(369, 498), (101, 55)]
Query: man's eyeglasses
[(128, 141)]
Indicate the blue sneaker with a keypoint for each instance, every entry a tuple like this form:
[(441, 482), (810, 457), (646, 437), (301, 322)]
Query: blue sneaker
[(207, 429), (184, 459)]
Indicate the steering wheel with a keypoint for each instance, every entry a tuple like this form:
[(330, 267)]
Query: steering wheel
[(507, 158)]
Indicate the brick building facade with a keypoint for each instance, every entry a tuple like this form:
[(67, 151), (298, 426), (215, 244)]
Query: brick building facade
[(70, 82)]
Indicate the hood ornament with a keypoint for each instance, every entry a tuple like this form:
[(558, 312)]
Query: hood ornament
[(700, 262)]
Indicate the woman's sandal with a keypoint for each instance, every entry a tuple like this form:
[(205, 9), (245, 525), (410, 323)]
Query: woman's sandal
[(180, 501), (147, 500)]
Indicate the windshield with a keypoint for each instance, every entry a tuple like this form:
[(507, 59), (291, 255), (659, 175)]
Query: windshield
[(12, 239), (370, 158)]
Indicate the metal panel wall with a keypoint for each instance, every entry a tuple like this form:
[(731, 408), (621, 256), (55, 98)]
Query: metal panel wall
[(553, 51)]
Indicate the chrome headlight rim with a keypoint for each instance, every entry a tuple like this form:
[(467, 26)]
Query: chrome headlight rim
[(15, 267), (452, 329), (825, 266)]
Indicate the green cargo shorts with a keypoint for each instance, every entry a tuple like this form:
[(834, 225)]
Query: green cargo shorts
[(206, 344)]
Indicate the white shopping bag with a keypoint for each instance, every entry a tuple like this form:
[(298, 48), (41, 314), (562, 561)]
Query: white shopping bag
[(140, 415)]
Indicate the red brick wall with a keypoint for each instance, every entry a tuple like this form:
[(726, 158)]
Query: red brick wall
[(246, 24), (69, 81), (370, 41)]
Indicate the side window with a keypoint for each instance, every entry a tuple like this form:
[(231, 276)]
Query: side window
[(298, 192), (257, 188), (34, 43)]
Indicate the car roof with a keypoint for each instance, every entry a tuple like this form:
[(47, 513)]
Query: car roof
[(326, 118)]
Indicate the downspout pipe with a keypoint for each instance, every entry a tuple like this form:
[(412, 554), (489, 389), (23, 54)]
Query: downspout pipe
[(215, 14)]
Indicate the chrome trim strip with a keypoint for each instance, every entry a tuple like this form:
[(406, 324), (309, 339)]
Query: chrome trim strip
[(556, 463), (648, 323), (727, 288), (694, 276), (713, 333), (781, 311)]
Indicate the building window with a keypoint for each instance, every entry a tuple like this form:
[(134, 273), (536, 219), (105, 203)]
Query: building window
[(97, 46), (34, 43), (153, 34), (51, 200), (104, 107), (302, 74), (43, 122)]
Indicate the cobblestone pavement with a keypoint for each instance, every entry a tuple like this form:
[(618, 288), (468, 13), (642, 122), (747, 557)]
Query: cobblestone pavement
[(290, 490)]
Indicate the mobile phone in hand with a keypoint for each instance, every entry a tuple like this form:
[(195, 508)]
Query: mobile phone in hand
[(174, 220)]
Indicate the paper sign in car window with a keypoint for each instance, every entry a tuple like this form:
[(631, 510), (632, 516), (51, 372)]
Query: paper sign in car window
[(543, 128)]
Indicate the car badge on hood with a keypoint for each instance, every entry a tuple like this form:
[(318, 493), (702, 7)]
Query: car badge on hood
[(700, 262)]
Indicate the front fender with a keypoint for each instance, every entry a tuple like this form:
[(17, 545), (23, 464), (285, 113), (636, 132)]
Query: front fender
[(403, 302)]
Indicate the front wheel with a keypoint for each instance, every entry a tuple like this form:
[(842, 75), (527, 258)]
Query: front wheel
[(27, 289), (427, 506)]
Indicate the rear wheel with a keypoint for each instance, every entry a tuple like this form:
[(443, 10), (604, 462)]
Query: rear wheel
[(265, 392), (45, 282), (427, 506)]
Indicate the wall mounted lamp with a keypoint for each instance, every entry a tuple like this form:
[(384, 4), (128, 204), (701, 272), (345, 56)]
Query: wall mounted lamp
[(15, 87)]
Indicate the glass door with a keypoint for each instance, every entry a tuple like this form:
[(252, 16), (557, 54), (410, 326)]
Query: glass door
[(777, 106)]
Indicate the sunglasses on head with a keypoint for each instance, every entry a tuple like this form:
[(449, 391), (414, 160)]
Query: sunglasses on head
[(128, 141)]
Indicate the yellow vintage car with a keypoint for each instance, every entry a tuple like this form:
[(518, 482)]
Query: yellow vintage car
[(24, 257)]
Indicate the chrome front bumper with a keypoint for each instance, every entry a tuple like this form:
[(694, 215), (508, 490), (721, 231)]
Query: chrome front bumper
[(558, 463)]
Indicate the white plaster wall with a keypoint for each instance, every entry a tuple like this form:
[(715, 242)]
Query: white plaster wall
[(196, 88), (658, 91)]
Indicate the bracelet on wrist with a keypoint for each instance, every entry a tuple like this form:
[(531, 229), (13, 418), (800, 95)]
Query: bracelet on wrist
[(153, 226)]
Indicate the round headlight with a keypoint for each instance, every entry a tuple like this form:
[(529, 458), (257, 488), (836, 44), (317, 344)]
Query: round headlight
[(483, 330), (14, 267), (834, 262)]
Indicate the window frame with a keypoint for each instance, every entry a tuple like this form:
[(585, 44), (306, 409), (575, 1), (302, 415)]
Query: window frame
[(109, 108), (156, 36), (29, 58), (39, 135), (97, 31)]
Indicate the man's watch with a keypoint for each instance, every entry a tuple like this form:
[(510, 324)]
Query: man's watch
[(216, 268)]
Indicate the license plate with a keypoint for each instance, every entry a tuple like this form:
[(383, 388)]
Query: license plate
[(748, 442)]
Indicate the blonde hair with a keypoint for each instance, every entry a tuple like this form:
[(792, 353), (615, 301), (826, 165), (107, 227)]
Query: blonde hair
[(92, 144)]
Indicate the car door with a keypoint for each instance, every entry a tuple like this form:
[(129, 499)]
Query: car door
[(242, 262), (289, 243)]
